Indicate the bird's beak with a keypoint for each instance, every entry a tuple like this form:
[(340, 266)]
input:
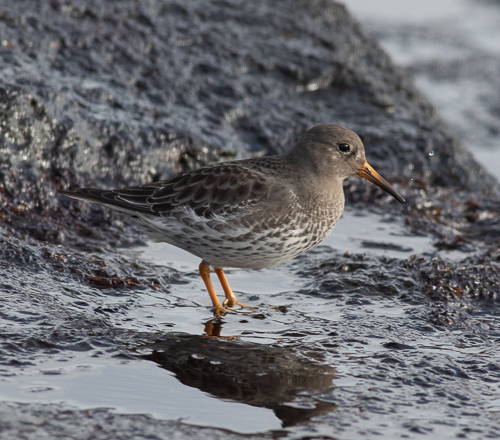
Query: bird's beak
[(370, 174)]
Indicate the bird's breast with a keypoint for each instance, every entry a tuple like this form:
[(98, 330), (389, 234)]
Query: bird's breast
[(253, 237)]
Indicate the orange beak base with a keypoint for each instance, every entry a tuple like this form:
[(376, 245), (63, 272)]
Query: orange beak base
[(370, 174)]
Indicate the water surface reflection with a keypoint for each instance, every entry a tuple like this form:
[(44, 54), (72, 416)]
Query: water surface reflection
[(259, 375)]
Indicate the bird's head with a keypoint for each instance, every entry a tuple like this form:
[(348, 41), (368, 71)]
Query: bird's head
[(332, 150)]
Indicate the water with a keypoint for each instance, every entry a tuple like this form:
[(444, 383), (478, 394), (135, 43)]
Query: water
[(128, 388), (92, 378), (350, 331), (452, 48)]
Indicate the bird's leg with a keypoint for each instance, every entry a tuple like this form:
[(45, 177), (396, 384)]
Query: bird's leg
[(205, 276), (230, 300)]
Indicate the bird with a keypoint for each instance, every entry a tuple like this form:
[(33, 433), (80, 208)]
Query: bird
[(250, 213)]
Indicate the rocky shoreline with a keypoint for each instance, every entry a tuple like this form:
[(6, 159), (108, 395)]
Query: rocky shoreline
[(110, 94)]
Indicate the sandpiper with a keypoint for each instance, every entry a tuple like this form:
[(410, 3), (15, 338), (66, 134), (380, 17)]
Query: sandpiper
[(251, 213)]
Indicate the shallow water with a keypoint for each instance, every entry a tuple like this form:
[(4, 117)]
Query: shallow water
[(268, 368), (129, 387)]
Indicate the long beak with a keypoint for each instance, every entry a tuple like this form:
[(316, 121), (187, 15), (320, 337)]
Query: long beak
[(370, 174)]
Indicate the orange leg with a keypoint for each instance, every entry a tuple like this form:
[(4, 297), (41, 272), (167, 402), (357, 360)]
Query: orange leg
[(230, 300), (205, 276)]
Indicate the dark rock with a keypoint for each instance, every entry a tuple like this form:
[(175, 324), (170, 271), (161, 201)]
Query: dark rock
[(118, 94)]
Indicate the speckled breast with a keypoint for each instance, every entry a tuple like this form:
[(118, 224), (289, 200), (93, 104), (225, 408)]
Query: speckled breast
[(255, 241)]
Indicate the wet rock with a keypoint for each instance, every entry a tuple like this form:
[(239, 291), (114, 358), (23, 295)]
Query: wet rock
[(458, 219), (356, 277), (108, 94), (29, 421), (462, 291)]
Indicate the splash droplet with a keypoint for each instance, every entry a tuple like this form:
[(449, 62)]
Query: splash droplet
[(431, 153)]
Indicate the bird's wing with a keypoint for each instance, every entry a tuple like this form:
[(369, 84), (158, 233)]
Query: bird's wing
[(214, 190)]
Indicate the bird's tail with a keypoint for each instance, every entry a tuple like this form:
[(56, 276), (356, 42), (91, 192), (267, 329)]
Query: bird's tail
[(107, 198)]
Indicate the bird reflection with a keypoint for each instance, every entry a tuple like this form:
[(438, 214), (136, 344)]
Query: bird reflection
[(265, 376), (213, 328)]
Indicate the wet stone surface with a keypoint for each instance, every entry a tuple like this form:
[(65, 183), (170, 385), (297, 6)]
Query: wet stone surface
[(105, 335), (97, 423)]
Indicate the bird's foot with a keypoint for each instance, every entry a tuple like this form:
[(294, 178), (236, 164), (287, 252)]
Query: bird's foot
[(220, 311), (231, 302)]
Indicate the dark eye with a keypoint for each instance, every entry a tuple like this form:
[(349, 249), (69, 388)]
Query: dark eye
[(344, 148)]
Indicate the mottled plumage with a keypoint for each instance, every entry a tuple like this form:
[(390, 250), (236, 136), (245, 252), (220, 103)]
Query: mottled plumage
[(250, 213)]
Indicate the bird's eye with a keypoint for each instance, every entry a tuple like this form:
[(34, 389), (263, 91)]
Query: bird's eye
[(344, 148)]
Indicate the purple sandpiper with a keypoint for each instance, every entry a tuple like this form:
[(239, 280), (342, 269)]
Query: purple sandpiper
[(251, 213)]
